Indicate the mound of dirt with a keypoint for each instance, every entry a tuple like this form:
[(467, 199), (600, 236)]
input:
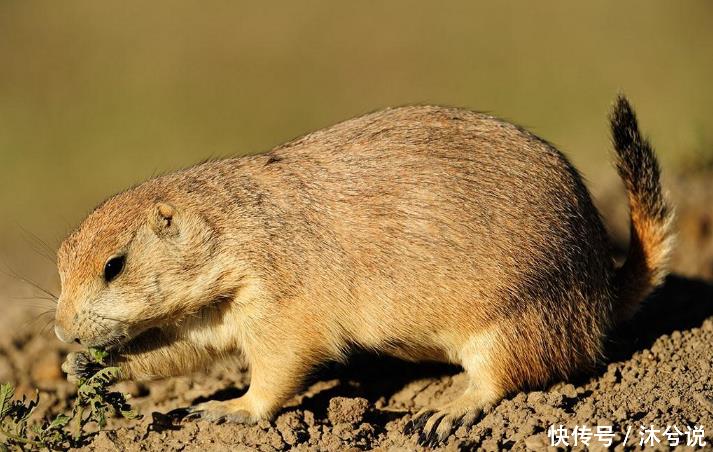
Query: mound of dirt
[(658, 377)]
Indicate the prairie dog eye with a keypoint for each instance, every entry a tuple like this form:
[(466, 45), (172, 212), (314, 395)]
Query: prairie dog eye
[(113, 267)]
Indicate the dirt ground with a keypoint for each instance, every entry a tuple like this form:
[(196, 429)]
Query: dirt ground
[(658, 375)]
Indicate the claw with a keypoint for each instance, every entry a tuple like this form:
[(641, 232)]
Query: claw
[(417, 422), (431, 437), (421, 439), (434, 427)]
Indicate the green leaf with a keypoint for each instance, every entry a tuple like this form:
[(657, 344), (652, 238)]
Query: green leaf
[(7, 392), (99, 416), (31, 405), (98, 355), (130, 414), (104, 377), (85, 391), (59, 422)]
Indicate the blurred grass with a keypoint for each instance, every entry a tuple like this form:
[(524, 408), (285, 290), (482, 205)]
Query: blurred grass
[(96, 96)]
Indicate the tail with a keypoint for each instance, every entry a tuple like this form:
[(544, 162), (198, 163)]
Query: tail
[(646, 264)]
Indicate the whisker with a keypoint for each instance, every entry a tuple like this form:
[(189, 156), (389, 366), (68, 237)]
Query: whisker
[(30, 323), (33, 297), (37, 309), (46, 326), (35, 303), (48, 311), (43, 311), (37, 244), (28, 281)]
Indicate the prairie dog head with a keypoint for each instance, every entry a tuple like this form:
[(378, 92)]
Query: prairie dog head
[(135, 262)]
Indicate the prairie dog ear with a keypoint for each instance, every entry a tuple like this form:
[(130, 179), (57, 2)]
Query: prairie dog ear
[(163, 219)]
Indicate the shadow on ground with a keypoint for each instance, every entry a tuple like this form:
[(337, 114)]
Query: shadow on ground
[(680, 304), (366, 375)]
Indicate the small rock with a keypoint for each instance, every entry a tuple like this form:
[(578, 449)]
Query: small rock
[(555, 398), (291, 427), (309, 418), (315, 433), (537, 442), (613, 375), (275, 440), (620, 414), (490, 444), (524, 429), (707, 325), (535, 397), (347, 410), (569, 391), (585, 411), (264, 424)]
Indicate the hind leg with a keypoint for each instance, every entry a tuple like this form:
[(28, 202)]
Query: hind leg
[(483, 391)]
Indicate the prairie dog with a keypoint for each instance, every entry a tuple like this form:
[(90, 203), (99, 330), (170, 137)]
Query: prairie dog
[(425, 232)]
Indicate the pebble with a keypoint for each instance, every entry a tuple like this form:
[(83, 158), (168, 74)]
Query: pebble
[(347, 410), (537, 442), (569, 391)]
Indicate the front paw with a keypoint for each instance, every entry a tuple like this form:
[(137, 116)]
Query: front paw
[(219, 412), (79, 366)]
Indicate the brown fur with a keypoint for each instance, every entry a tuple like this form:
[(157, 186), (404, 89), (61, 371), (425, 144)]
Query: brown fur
[(651, 238), (424, 232)]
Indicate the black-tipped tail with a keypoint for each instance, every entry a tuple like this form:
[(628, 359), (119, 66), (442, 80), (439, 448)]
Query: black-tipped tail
[(646, 264)]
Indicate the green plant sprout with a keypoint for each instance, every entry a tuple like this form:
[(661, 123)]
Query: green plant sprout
[(93, 404)]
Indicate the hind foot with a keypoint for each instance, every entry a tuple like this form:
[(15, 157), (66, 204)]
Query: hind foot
[(484, 389), (435, 425)]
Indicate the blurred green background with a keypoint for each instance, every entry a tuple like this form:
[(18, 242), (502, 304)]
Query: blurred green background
[(97, 96)]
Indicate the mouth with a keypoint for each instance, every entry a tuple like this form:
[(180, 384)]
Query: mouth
[(110, 344), (124, 341)]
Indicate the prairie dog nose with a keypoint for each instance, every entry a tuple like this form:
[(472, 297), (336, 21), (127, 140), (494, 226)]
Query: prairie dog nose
[(63, 336)]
